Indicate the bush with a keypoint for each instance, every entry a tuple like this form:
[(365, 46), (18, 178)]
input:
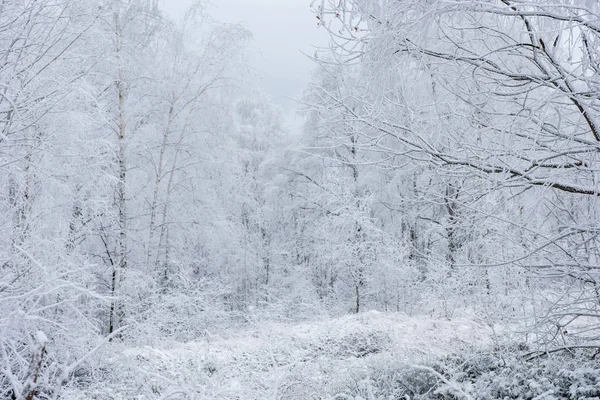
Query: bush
[(356, 344), (484, 376)]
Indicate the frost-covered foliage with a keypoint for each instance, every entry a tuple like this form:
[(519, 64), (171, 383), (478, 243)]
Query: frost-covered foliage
[(483, 120), (164, 235), (320, 359), (371, 356), (482, 376)]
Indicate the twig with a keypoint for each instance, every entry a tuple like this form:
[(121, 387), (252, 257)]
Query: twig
[(536, 354), (443, 378)]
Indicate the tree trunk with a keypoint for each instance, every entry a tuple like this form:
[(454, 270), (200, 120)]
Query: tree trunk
[(117, 311), (357, 299), (157, 182)]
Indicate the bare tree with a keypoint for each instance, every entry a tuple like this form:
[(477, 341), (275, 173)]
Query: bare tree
[(516, 106)]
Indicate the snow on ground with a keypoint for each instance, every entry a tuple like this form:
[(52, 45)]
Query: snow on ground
[(278, 361)]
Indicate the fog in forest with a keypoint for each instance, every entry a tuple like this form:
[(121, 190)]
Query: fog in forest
[(298, 199)]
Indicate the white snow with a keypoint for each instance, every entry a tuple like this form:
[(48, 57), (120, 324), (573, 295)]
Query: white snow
[(305, 360), (41, 338)]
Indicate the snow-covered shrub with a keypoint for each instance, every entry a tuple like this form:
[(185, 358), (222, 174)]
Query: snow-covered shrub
[(403, 381), (478, 376), (569, 375), (355, 344)]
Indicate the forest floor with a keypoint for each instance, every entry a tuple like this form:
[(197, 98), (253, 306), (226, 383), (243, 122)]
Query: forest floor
[(316, 360)]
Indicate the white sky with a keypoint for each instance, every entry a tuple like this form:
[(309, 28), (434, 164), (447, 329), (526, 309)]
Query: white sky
[(282, 30)]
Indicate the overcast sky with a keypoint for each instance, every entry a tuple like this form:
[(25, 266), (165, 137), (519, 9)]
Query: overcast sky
[(282, 30)]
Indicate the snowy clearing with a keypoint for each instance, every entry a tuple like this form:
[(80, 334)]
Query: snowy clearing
[(278, 361)]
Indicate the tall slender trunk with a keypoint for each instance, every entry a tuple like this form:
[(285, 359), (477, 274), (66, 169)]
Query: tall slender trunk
[(163, 241), (117, 311), (122, 195), (451, 199), (157, 182), (359, 235)]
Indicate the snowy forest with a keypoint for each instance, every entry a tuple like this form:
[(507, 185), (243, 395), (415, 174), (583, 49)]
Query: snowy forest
[(431, 231)]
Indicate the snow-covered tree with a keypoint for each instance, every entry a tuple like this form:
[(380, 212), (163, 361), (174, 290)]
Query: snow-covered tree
[(502, 93)]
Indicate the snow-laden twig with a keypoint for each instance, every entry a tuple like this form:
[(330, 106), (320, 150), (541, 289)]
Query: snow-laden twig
[(441, 377), (69, 369)]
